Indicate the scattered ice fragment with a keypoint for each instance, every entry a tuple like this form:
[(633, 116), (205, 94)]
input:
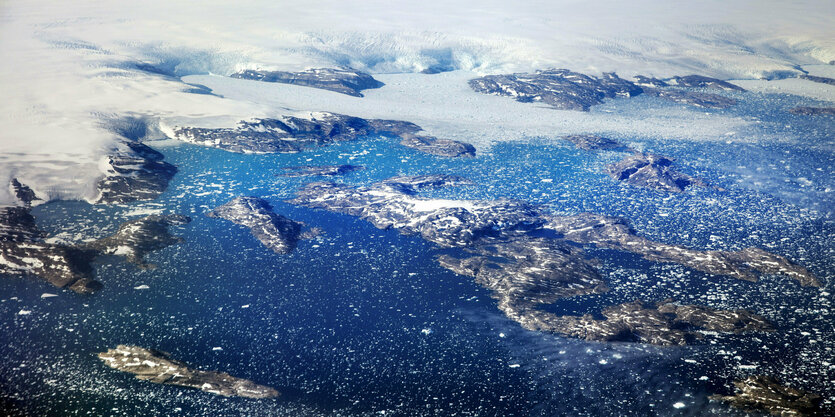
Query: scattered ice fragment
[(426, 331), (141, 287), (514, 365), (603, 361), (47, 295), (24, 312), (502, 335), (679, 405), (217, 348), (245, 306)]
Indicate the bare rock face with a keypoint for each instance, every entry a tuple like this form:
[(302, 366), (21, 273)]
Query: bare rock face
[(764, 393), (346, 80), (23, 193), (662, 324), (23, 251), (412, 183), (813, 111), (814, 78), (158, 367), (319, 170), (438, 147), (290, 134), (596, 143), (701, 81), (137, 173), (136, 238), (559, 88), (651, 171), (615, 233), (275, 231), (528, 258), (567, 90), (692, 98)]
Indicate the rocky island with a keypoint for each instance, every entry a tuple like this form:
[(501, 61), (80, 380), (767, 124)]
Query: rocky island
[(158, 367), (651, 171), (596, 143), (136, 238), (567, 90), (527, 257), (275, 231), (764, 393), (344, 80), (290, 134), (319, 170), (813, 111)]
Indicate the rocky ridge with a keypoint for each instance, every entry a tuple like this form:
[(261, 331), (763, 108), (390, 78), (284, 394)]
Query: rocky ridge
[(651, 171), (526, 257), (567, 90), (764, 393), (596, 143), (342, 80), (290, 134), (276, 232), (136, 238), (158, 367), (135, 172), (813, 111)]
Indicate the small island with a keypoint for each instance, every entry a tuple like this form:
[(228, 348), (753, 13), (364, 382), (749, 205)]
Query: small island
[(158, 367)]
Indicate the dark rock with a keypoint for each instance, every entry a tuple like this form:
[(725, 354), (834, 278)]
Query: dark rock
[(275, 231), (559, 88), (706, 100), (445, 222), (615, 233), (527, 258), (701, 81), (663, 324), (651, 171), (290, 134), (136, 238), (412, 183), (23, 193), (320, 170), (764, 393), (644, 81), (813, 111), (594, 143), (158, 367), (137, 173), (823, 80), (346, 81), (439, 147), (23, 251)]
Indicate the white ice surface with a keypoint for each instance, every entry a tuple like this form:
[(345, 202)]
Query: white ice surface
[(67, 84)]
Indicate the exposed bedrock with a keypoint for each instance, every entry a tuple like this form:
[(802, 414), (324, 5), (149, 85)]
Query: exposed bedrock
[(23, 251), (158, 367), (651, 171), (274, 231), (567, 90), (764, 393), (136, 238), (813, 111), (136, 172), (596, 143), (815, 78), (290, 134), (527, 258), (342, 80)]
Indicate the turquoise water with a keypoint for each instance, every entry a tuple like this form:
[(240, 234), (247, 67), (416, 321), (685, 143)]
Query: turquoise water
[(361, 321)]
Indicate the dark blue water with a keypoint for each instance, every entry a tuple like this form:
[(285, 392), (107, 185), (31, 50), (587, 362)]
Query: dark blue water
[(361, 321)]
